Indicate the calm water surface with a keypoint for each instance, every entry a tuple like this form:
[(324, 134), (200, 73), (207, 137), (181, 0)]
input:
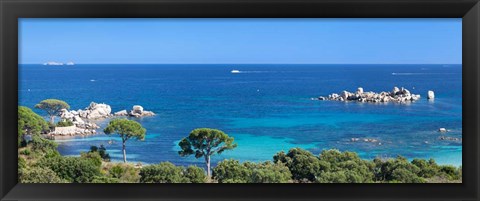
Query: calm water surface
[(267, 108)]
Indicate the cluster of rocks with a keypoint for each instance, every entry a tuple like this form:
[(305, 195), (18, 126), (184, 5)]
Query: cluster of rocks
[(442, 130), (366, 140), (399, 95), (80, 118), (137, 111), (446, 138), (71, 131)]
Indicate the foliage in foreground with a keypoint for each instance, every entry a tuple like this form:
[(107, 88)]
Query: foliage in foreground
[(232, 171), (167, 172), (40, 162), (72, 169)]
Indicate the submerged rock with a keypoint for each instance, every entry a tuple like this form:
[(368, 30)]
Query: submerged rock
[(445, 138)]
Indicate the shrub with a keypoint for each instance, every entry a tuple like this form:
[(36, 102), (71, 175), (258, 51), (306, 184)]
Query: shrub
[(41, 144), (396, 170), (269, 172), (21, 163), (303, 165), (231, 171), (43, 147), (40, 175), (345, 167), (102, 151), (104, 180), (64, 123), (29, 123), (164, 172), (72, 169), (451, 172), (428, 168), (404, 175), (195, 174), (125, 173), (26, 152), (94, 157)]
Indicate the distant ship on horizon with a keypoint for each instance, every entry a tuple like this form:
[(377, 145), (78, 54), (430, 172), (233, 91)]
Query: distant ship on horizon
[(235, 71), (54, 63)]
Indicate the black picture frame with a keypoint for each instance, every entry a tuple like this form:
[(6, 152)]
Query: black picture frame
[(11, 10)]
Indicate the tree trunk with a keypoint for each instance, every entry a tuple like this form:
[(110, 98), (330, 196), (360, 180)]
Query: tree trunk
[(207, 160), (52, 119), (124, 152)]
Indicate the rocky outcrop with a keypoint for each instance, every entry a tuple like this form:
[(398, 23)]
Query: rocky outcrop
[(80, 118), (96, 111), (442, 130), (366, 140), (399, 95), (93, 111), (121, 113), (431, 95), (446, 138), (71, 131), (137, 111)]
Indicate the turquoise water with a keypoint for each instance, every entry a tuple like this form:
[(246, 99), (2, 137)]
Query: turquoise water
[(267, 108)]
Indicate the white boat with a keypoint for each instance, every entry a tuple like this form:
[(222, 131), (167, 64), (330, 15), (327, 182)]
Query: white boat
[(235, 71), (53, 63), (70, 63)]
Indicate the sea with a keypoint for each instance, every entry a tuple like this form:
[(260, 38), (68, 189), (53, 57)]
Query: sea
[(267, 108)]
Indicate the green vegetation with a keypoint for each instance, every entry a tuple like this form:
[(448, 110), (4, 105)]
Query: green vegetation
[(127, 129), (29, 123), (124, 173), (167, 172), (232, 171), (52, 107), (205, 142), (102, 151), (40, 175), (64, 123), (72, 169)]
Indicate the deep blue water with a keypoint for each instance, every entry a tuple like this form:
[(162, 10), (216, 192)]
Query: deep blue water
[(267, 108)]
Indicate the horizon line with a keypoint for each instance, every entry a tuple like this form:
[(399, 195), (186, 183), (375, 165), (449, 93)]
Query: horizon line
[(250, 64)]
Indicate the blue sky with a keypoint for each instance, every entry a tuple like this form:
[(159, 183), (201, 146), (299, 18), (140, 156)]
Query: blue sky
[(241, 41)]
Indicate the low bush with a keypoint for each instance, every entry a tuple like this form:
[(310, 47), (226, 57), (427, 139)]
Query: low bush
[(125, 173), (40, 175), (72, 169), (64, 123), (102, 151), (167, 172), (232, 171)]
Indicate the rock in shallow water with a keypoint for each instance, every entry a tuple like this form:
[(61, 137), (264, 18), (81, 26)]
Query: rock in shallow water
[(431, 95), (137, 111), (396, 95)]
